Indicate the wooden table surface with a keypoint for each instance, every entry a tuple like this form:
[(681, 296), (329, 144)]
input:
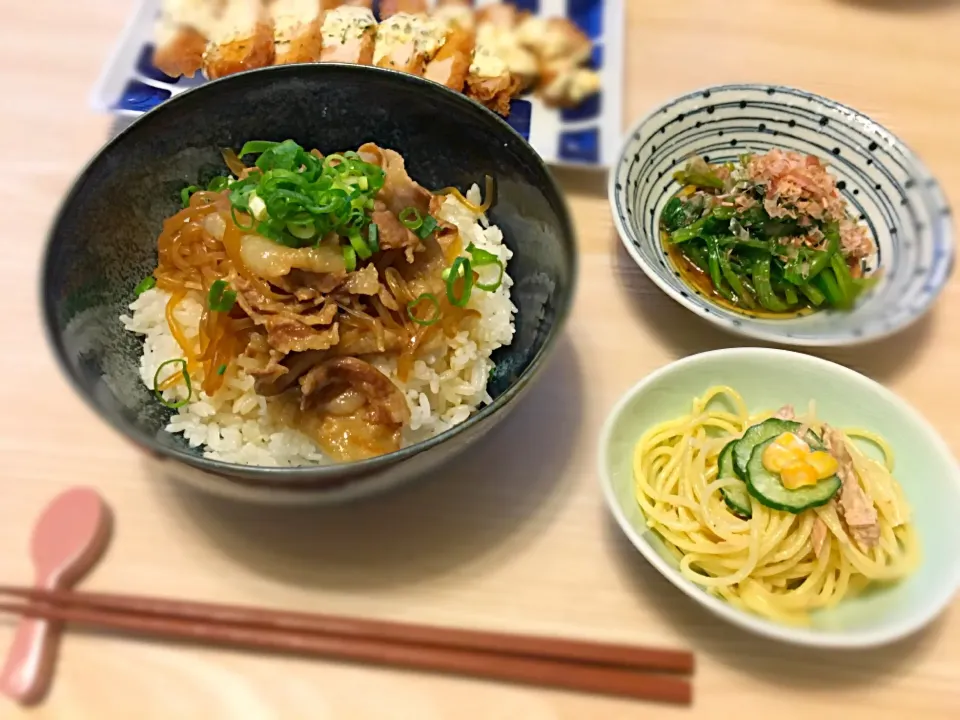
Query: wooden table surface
[(515, 536)]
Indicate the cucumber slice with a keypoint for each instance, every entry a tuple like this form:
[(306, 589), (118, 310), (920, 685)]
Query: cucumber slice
[(764, 431), (736, 496), (766, 487)]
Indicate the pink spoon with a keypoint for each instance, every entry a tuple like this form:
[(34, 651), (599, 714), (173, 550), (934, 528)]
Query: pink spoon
[(68, 539)]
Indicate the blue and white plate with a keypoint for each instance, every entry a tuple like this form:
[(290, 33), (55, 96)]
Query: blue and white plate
[(880, 177), (587, 135)]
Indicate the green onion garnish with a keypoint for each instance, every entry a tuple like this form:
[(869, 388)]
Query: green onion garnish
[(256, 147), (410, 218), (220, 182), (427, 228), (373, 237), (147, 283), (222, 369), (220, 299), (460, 268), (358, 244), (350, 258), (186, 378), (481, 258), (236, 221), (300, 191), (425, 297), (186, 193)]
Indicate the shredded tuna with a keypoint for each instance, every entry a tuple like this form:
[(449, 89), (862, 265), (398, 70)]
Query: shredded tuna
[(785, 413), (856, 507)]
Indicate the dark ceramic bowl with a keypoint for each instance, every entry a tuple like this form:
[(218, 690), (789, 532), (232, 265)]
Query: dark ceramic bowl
[(103, 242)]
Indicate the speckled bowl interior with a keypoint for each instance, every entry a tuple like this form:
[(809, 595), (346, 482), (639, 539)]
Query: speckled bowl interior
[(885, 184), (104, 239)]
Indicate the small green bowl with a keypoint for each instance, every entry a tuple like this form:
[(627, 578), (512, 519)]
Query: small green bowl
[(768, 379)]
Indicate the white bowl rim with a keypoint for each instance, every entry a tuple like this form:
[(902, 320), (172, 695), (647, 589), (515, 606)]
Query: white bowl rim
[(749, 329), (754, 623)]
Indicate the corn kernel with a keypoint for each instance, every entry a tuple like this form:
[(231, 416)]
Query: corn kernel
[(823, 463), (797, 475), (777, 457), (792, 442)]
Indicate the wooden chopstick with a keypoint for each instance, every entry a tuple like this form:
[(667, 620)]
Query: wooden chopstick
[(562, 674), (664, 661)]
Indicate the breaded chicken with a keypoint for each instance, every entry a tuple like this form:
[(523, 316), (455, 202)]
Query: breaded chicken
[(503, 15), (554, 39), (561, 49), (567, 85), (503, 42), (296, 31), (181, 35), (490, 81), (241, 39), (406, 42), (451, 65), (334, 4), (389, 8), (349, 34), (456, 13)]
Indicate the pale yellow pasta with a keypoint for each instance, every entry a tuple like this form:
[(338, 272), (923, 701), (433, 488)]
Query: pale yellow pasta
[(765, 564)]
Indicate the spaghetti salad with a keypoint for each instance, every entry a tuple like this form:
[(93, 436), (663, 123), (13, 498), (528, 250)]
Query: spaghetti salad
[(776, 513)]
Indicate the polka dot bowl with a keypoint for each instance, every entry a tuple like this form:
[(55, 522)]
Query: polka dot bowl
[(882, 180)]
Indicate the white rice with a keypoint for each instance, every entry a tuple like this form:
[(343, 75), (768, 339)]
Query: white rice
[(236, 425)]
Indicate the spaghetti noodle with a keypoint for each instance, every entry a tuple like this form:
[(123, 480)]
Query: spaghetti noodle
[(780, 565)]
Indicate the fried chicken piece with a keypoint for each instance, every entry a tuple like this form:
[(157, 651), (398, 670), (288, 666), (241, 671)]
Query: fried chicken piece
[(181, 35), (241, 39), (349, 35), (296, 31)]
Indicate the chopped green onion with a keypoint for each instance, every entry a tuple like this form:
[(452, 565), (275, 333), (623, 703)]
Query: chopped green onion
[(186, 193), (373, 237), (222, 369), (220, 299), (350, 258), (296, 189), (425, 297), (220, 182), (335, 160), (427, 228), (359, 245), (256, 147), (147, 283), (410, 218), (460, 268), (480, 258), (236, 221), (157, 382), (303, 231)]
